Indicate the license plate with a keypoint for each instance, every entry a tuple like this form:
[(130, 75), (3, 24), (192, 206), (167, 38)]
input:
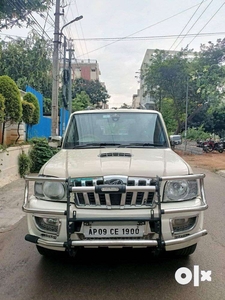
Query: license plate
[(97, 231)]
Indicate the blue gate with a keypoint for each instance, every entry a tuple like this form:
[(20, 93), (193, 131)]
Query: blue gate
[(43, 128)]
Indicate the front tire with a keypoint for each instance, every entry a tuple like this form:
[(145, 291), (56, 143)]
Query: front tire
[(185, 251), (46, 252)]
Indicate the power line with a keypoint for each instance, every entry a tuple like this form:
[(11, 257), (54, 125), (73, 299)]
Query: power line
[(20, 6), (82, 30), (140, 38), (207, 23), (153, 37), (65, 13), (72, 10), (40, 27), (195, 22), (120, 39), (186, 24)]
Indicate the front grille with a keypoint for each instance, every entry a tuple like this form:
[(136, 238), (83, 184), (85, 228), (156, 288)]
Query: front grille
[(114, 200)]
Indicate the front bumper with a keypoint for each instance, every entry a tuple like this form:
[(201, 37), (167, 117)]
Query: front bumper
[(160, 215), (115, 243)]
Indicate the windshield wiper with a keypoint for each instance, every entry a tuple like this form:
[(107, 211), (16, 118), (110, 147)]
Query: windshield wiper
[(143, 145), (96, 145)]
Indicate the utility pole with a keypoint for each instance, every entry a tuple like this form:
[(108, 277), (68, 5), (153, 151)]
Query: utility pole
[(186, 118), (64, 85), (70, 77), (55, 72)]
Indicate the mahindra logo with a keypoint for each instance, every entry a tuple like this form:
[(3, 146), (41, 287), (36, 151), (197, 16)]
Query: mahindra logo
[(114, 181)]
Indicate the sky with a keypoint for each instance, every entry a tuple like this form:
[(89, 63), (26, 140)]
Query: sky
[(117, 34)]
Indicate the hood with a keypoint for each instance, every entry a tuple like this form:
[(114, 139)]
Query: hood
[(139, 162)]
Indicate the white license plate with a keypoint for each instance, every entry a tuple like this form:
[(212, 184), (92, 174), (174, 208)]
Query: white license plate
[(96, 231)]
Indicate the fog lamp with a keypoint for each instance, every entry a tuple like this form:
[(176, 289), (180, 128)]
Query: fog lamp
[(48, 224), (183, 224)]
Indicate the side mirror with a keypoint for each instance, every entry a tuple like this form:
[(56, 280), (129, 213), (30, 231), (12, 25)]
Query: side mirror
[(55, 141), (175, 140)]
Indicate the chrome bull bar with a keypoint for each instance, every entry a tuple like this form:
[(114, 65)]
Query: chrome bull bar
[(87, 189), (155, 217), (121, 243)]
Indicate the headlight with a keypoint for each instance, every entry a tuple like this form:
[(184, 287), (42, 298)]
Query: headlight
[(50, 190), (179, 190), (53, 190)]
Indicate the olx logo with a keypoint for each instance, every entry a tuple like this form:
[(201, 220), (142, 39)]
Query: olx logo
[(184, 275)]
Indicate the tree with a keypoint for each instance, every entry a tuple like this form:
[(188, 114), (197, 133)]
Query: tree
[(81, 101), (27, 115), (215, 121), (93, 88), (13, 105), (28, 111), (168, 115), (30, 98), (196, 78), (2, 108), (33, 119), (10, 91), (166, 77), (28, 62), (14, 12), (47, 106)]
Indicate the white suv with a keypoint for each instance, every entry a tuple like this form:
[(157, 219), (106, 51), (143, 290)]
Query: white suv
[(116, 182)]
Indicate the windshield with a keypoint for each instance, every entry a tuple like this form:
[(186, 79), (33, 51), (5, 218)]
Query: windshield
[(115, 129)]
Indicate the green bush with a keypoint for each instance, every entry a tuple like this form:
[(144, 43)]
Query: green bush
[(11, 93), (40, 153), (24, 164), (28, 110), (30, 98), (197, 134)]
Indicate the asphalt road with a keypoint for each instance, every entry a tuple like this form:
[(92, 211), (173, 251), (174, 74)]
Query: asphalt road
[(115, 273)]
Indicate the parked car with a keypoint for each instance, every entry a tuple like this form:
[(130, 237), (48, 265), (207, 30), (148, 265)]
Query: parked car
[(115, 183)]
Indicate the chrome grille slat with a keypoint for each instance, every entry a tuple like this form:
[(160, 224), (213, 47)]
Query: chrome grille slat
[(123, 200), (145, 198), (134, 197), (97, 200), (86, 200), (107, 199), (139, 193)]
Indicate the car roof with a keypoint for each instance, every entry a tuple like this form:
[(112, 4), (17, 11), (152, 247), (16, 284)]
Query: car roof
[(112, 110)]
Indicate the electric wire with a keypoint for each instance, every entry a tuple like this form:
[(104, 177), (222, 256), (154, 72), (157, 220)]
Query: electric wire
[(68, 30), (130, 37), (140, 38), (152, 25), (153, 37), (40, 27), (73, 17), (82, 30), (194, 23), (186, 25), (20, 7), (44, 25), (207, 23)]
